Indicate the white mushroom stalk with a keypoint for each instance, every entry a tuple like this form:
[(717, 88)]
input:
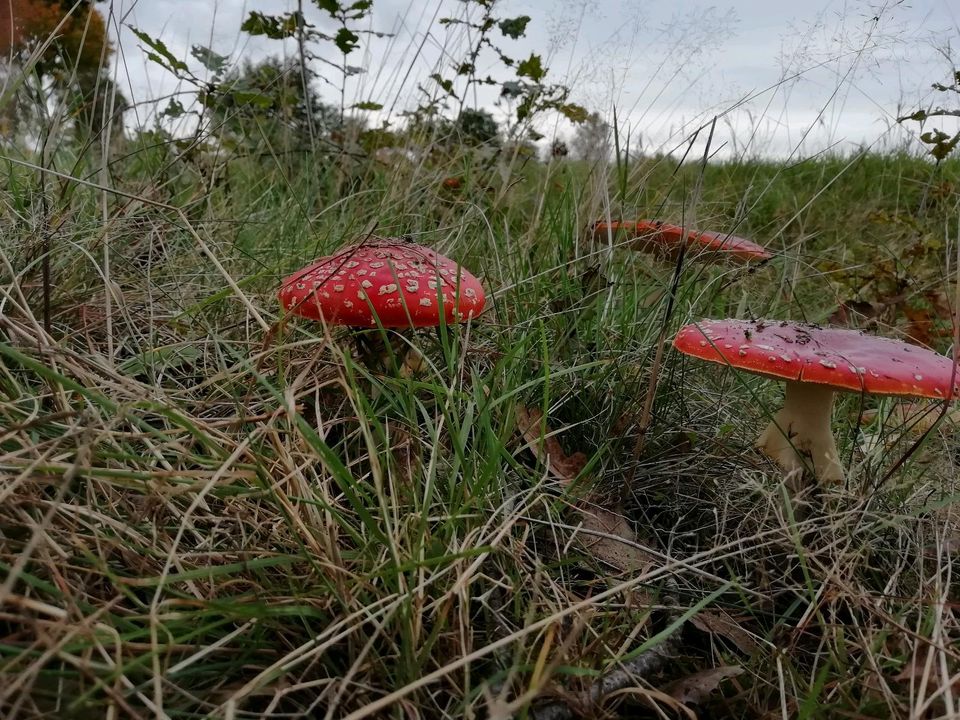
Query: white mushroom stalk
[(799, 435), (815, 362)]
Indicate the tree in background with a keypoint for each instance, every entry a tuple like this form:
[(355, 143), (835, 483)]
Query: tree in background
[(65, 42), (477, 128), (349, 18), (57, 50), (592, 141), (266, 103)]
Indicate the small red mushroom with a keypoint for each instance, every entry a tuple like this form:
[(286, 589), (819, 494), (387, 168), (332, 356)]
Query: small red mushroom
[(660, 237), (815, 362), (395, 282)]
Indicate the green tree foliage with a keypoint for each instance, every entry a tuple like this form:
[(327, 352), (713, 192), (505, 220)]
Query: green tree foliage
[(347, 16), (265, 103), (476, 128)]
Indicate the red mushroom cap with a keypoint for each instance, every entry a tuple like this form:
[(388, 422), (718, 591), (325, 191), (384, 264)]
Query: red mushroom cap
[(390, 279), (838, 357), (654, 235)]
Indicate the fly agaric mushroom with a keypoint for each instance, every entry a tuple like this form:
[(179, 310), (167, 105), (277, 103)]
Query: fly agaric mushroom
[(815, 362), (661, 237), (391, 280)]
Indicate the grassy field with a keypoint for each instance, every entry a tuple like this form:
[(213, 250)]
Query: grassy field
[(207, 512)]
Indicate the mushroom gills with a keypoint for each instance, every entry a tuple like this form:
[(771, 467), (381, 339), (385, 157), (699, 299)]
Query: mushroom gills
[(799, 434)]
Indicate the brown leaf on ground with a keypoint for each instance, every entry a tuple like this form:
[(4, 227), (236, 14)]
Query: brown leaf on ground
[(921, 326), (616, 545), (405, 451), (608, 536), (915, 668), (941, 303), (546, 446), (698, 687), (719, 622)]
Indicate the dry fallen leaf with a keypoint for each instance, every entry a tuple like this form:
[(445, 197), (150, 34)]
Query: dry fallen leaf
[(547, 448), (621, 553), (696, 688), (719, 622), (614, 543), (857, 313), (914, 671)]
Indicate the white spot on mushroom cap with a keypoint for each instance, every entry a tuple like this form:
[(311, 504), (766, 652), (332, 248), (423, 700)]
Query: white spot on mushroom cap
[(387, 289), (366, 284), (338, 288), (424, 302)]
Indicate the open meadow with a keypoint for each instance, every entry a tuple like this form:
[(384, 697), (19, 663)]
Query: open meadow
[(213, 508)]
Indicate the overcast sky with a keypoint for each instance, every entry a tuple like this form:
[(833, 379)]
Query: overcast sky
[(784, 77)]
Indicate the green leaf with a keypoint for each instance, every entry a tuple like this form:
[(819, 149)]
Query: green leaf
[(346, 40), (160, 55), (214, 62), (447, 85), (919, 116), (574, 113), (248, 97), (532, 68), (511, 89), (275, 27), (367, 105), (174, 109), (361, 5), (524, 109), (514, 27), (330, 6)]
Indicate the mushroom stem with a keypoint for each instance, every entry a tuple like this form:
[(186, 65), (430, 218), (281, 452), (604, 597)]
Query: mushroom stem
[(799, 434), (380, 356)]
